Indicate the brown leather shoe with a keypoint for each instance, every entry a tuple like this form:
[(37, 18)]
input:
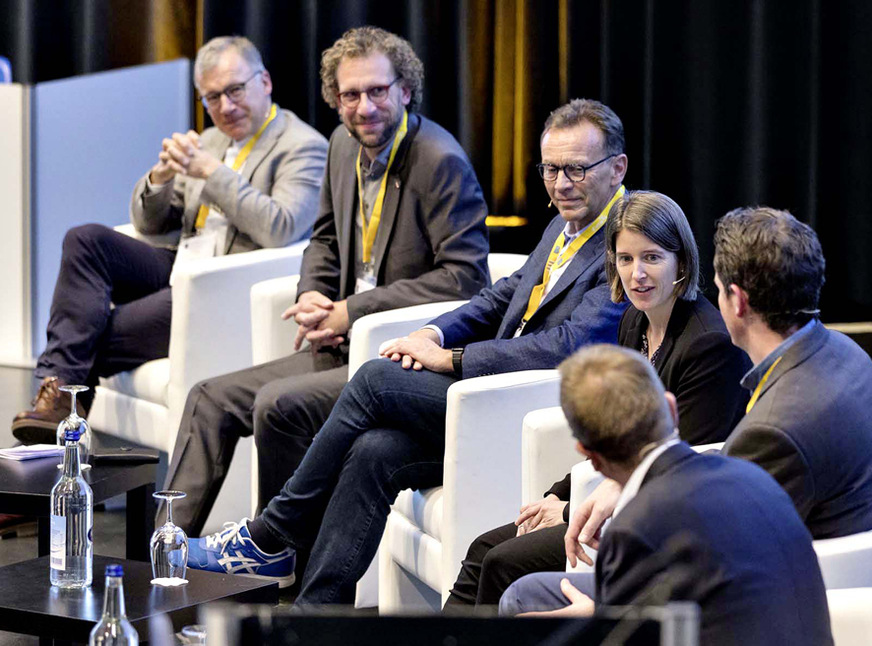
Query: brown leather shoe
[(39, 425)]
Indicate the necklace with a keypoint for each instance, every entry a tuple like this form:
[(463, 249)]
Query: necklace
[(644, 350)]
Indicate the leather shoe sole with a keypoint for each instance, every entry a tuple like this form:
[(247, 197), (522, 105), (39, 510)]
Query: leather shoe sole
[(35, 431)]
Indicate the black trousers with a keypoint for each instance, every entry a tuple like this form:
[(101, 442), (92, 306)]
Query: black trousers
[(283, 403), (111, 307), (498, 558)]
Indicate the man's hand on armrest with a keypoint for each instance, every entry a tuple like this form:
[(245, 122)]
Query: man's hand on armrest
[(587, 521), (419, 350)]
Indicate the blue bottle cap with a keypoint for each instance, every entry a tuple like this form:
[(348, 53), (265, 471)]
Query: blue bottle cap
[(114, 570), (72, 434)]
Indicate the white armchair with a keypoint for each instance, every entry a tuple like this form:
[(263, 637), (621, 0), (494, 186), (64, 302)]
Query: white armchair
[(210, 335), (273, 338), (846, 562), (850, 616)]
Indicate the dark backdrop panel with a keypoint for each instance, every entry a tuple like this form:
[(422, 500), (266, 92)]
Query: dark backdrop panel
[(724, 103)]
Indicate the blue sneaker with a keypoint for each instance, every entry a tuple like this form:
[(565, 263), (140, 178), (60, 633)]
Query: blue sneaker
[(231, 551)]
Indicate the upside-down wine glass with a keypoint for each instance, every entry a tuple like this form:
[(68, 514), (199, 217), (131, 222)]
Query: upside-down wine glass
[(76, 422), (169, 545)]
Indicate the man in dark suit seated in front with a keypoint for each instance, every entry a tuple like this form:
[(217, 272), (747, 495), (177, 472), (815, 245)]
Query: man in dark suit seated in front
[(687, 526), (386, 432)]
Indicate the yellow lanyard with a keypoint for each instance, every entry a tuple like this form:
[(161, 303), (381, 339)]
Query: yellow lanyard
[(557, 258), (203, 213), (756, 394), (371, 228)]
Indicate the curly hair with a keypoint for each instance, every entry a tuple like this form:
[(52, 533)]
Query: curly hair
[(776, 259), (661, 220), (362, 41)]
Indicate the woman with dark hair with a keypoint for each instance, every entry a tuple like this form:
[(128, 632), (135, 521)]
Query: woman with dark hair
[(652, 261)]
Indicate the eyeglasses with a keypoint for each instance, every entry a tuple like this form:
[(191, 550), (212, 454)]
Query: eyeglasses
[(573, 172), (378, 94), (235, 93)]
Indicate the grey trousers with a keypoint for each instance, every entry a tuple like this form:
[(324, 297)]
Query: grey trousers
[(283, 403)]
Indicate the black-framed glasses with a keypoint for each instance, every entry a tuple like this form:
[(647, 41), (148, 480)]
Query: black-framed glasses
[(235, 93), (377, 94), (573, 172)]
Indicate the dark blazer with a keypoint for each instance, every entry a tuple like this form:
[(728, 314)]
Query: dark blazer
[(811, 429), (432, 242), (271, 203), (699, 365), (721, 532), (577, 311)]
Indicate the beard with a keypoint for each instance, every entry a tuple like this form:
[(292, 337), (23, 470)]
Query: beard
[(386, 135)]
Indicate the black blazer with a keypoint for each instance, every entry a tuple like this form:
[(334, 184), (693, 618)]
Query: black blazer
[(811, 429), (699, 365), (721, 532)]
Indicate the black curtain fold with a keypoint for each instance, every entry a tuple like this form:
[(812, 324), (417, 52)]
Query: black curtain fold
[(724, 104)]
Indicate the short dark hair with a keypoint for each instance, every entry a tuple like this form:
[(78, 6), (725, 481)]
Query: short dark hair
[(614, 401), (363, 41), (776, 259), (602, 116), (661, 220)]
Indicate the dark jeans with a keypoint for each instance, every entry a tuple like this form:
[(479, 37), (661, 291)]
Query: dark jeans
[(385, 433), (283, 403), (541, 592), (87, 337), (499, 557)]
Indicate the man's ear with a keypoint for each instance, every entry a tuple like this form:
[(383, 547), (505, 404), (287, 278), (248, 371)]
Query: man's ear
[(738, 298), (619, 169), (595, 458)]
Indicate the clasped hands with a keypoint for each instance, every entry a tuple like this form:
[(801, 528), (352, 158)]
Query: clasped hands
[(182, 154), (322, 322), (417, 351)]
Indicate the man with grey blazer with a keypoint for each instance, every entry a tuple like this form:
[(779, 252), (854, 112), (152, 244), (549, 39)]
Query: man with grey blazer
[(401, 222), (251, 181)]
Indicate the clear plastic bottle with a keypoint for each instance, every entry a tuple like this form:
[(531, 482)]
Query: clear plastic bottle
[(72, 519), (113, 629)]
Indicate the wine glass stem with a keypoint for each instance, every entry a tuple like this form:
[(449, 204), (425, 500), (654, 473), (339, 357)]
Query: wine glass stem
[(170, 511), (73, 401)]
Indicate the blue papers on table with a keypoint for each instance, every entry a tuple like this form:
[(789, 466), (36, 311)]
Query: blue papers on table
[(31, 452)]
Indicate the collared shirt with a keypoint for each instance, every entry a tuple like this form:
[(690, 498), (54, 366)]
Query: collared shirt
[(552, 280), (755, 374), (635, 481), (371, 172), (216, 222)]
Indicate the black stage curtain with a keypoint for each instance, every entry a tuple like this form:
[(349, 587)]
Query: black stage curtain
[(724, 103)]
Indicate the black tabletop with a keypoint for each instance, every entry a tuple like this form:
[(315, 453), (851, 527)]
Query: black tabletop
[(25, 487), (30, 605)]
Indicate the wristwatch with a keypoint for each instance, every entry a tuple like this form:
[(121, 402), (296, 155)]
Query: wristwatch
[(457, 361)]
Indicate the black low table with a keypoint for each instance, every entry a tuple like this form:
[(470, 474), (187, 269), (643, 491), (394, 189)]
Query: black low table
[(29, 605), (25, 488)]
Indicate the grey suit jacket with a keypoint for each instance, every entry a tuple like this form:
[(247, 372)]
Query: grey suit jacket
[(432, 242), (272, 203), (812, 431)]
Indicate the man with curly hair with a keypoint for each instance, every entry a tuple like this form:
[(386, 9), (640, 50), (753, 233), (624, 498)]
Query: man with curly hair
[(401, 222)]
